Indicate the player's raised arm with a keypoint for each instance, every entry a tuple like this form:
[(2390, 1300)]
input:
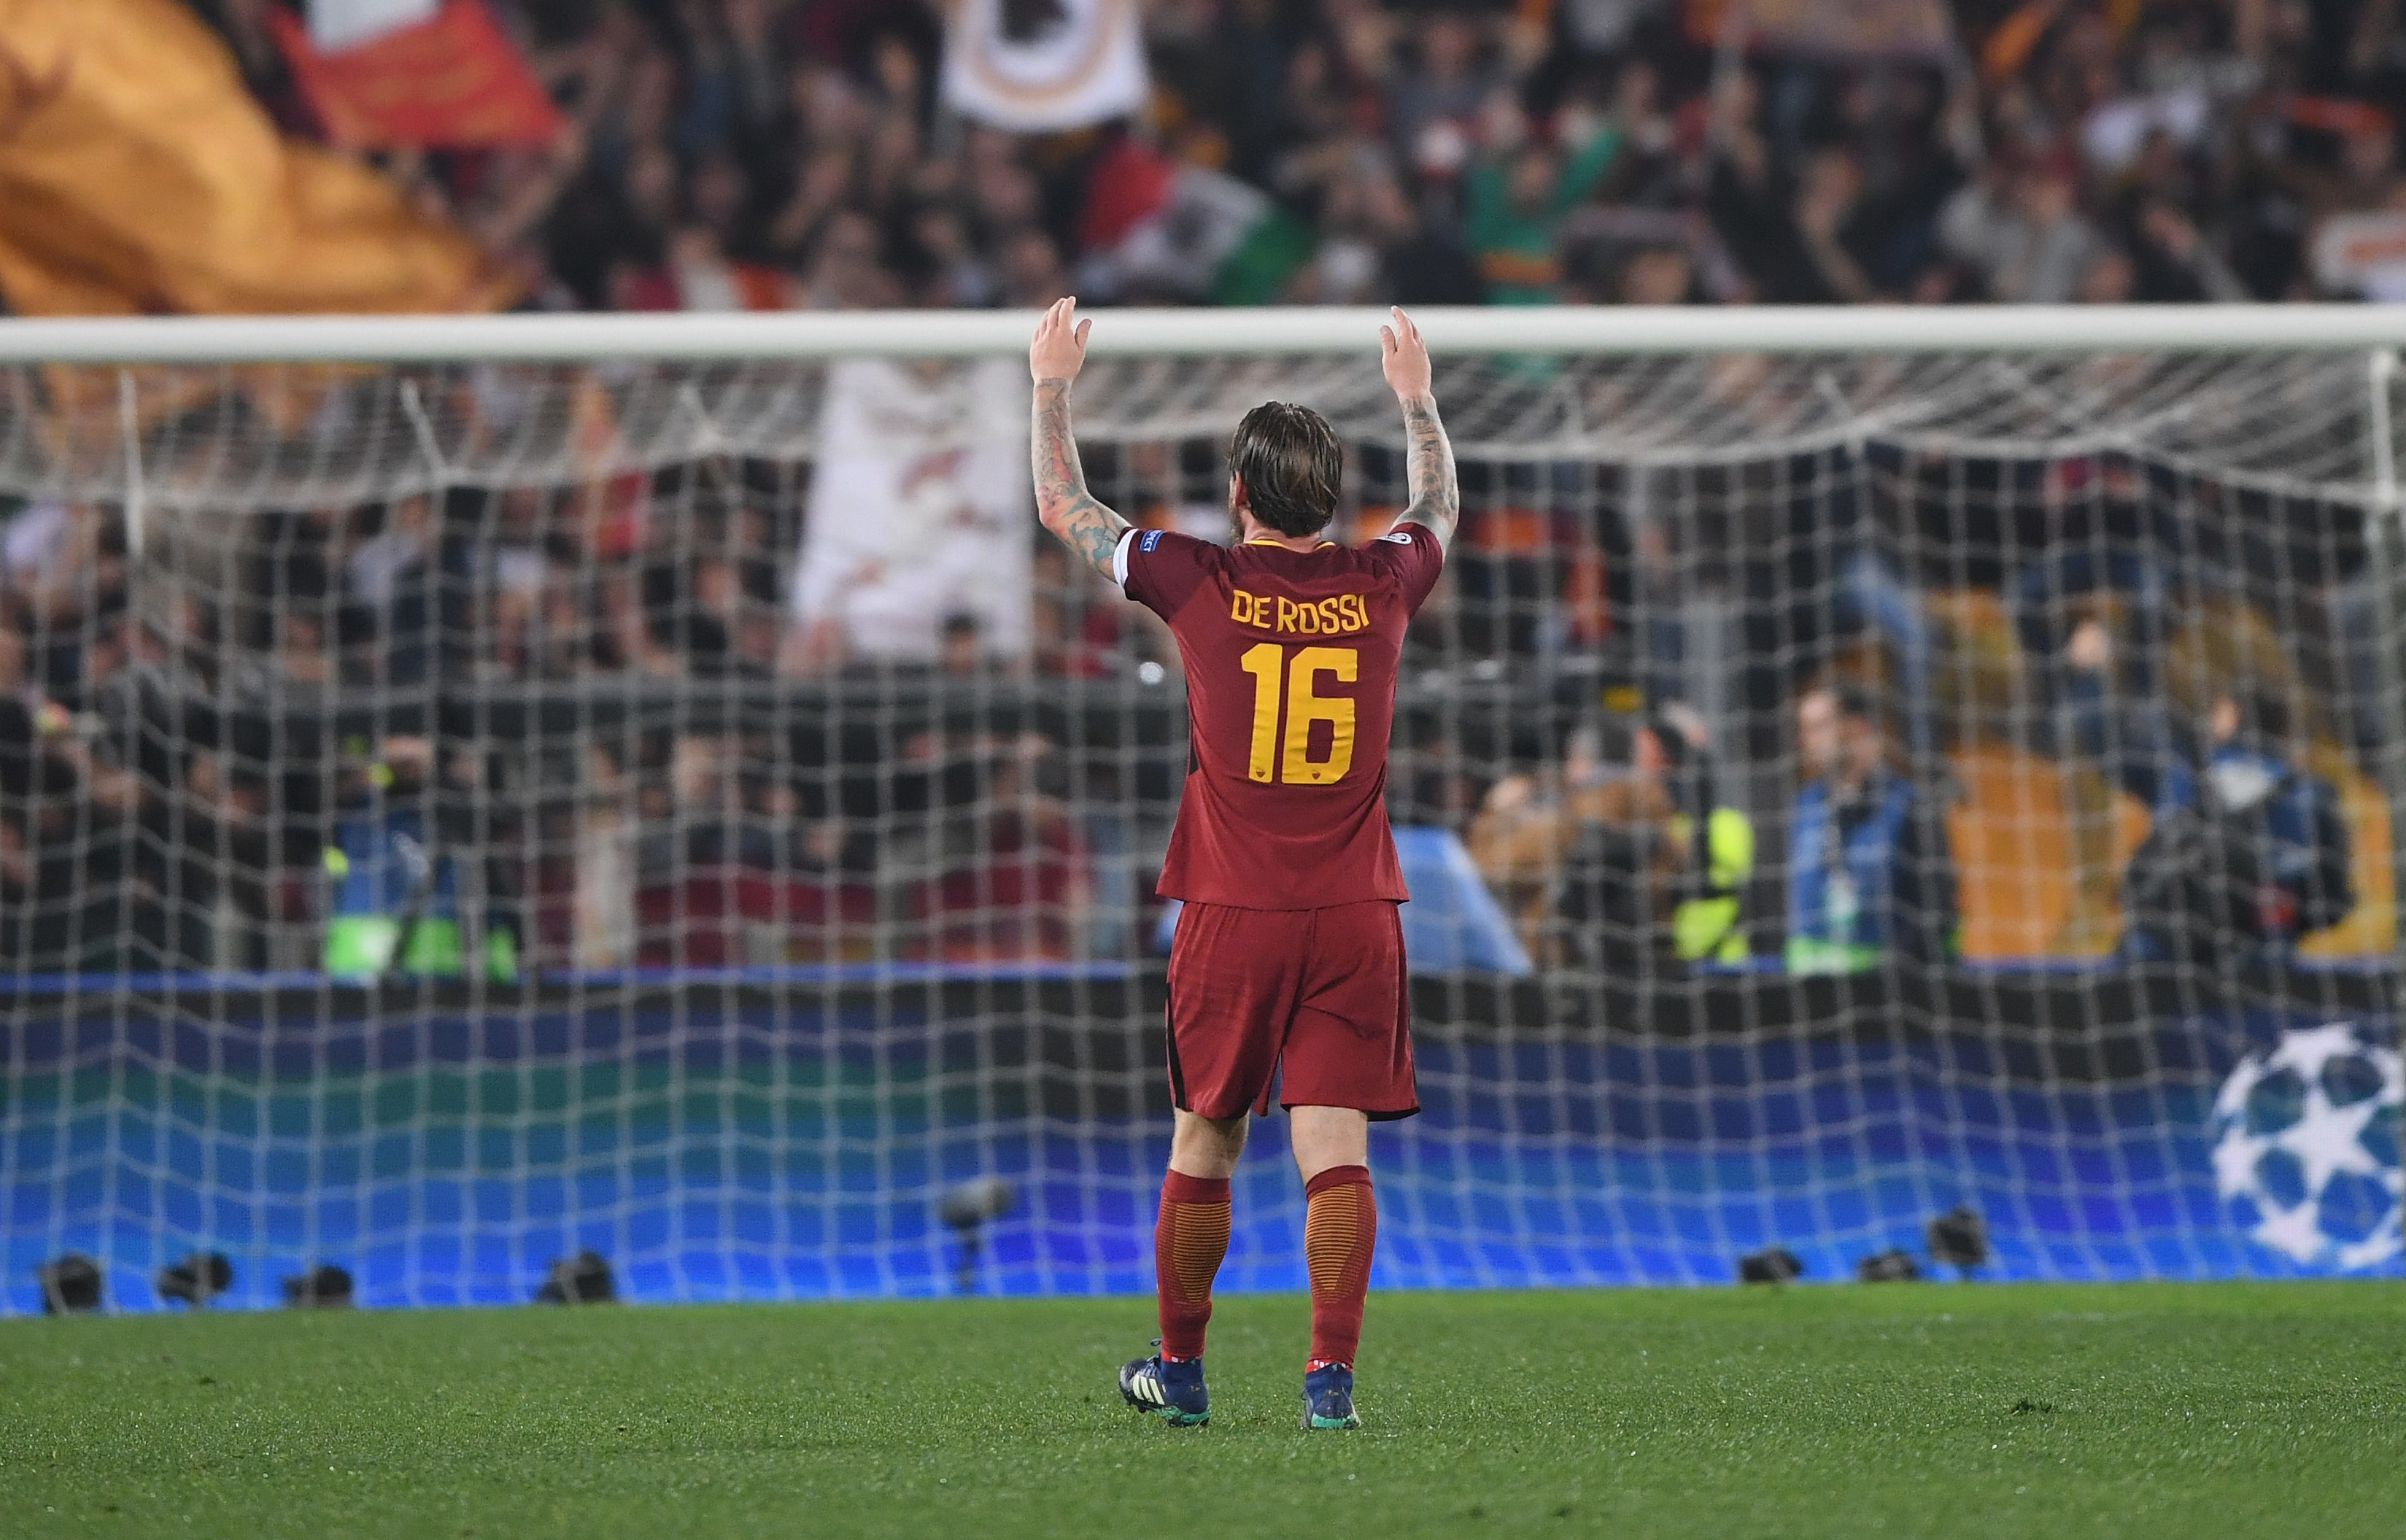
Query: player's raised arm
[(1428, 467), (1062, 501)]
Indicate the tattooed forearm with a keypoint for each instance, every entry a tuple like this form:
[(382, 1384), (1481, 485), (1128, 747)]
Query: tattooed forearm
[(1091, 531), (1428, 471)]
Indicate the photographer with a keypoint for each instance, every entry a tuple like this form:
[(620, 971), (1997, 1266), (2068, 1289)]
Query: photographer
[(2245, 857)]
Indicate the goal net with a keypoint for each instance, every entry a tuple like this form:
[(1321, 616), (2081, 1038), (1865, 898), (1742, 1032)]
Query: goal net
[(458, 815)]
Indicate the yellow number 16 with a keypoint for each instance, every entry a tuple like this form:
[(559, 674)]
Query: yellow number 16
[(1303, 708)]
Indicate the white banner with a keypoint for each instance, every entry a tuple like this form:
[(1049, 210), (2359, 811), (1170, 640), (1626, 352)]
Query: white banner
[(338, 24), (2363, 255), (1036, 65), (920, 509)]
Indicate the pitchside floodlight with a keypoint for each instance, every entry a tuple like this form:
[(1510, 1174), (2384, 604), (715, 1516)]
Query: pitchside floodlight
[(1959, 1238), (1772, 1265), (1893, 1265), (197, 1280), (581, 1279), (70, 1285), (967, 1208), (321, 1288)]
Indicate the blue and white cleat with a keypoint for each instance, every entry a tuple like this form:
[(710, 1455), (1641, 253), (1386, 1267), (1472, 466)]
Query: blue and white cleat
[(1328, 1398), (1172, 1390)]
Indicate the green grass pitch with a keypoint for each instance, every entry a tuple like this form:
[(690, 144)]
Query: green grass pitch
[(1901, 1409)]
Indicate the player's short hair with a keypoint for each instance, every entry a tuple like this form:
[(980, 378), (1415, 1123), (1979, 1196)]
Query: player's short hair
[(1291, 463)]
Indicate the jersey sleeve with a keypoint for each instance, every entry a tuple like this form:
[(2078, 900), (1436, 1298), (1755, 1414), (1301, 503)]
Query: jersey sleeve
[(1161, 569), (1411, 555)]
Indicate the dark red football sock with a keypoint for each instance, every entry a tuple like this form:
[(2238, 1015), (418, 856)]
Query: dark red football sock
[(1189, 1241), (1340, 1229)]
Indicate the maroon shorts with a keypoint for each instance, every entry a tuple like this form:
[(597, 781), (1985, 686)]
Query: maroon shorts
[(1315, 997)]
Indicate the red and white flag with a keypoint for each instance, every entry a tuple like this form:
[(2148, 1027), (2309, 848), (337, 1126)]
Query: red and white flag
[(414, 74)]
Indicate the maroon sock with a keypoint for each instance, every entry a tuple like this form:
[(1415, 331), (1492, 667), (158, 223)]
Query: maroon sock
[(1340, 1229), (1189, 1241)]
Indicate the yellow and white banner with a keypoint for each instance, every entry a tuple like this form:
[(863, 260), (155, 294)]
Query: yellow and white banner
[(1034, 67)]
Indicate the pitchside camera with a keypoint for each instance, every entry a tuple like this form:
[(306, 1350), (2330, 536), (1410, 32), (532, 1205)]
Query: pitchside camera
[(321, 1288), (1893, 1265), (197, 1280), (1772, 1265), (966, 1206), (70, 1285), (1959, 1238), (581, 1279)]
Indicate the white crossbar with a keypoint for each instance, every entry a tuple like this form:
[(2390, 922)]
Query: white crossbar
[(968, 333)]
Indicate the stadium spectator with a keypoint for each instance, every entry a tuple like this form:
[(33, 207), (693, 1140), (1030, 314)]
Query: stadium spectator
[(2244, 857), (2021, 233), (1708, 913), (394, 901), (693, 854), (1870, 877), (1012, 878), (30, 725), (1589, 858), (295, 663), (388, 588), (207, 858), (1518, 194)]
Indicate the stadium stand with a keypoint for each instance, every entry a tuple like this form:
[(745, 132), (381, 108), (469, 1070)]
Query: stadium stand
[(787, 153)]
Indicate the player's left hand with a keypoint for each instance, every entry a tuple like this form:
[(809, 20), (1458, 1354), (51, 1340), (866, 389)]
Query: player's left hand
[(1404, 357), (1060, 346)]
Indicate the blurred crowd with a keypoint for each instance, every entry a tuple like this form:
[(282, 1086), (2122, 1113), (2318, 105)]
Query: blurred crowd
[(733, 154), (228, 765), (163, 798), (232, 767)]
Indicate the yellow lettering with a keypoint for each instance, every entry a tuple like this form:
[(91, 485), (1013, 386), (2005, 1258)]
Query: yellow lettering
[(1357, 616), (1304, 708), (1240, 607), (1328, 621), (1287, 608), (1262, 661)]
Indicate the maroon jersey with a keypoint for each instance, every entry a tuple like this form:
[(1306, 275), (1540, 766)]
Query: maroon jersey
[(1289, 699)]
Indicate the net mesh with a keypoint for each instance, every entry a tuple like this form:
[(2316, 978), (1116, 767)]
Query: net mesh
[(455, 817)]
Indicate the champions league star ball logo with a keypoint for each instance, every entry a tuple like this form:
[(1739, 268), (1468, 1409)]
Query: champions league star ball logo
[(2306, 1146)]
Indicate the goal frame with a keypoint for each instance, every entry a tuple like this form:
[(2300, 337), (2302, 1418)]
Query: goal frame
[(1568, 329), (2376, 331), (2343, 333)]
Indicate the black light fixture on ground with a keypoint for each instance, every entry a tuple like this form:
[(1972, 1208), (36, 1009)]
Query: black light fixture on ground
[(197, 1280), (1893, 1265), (1772, 1265), (581, 1279), (323, 1287), (70, 1286), (966, 1206), (1959, 1238)]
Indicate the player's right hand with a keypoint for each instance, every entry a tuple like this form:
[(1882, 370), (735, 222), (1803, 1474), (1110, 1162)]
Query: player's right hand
[(1404, 357), (1060, 346)]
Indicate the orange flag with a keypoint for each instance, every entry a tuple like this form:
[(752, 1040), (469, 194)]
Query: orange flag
[(450, 82), (137, 176)]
